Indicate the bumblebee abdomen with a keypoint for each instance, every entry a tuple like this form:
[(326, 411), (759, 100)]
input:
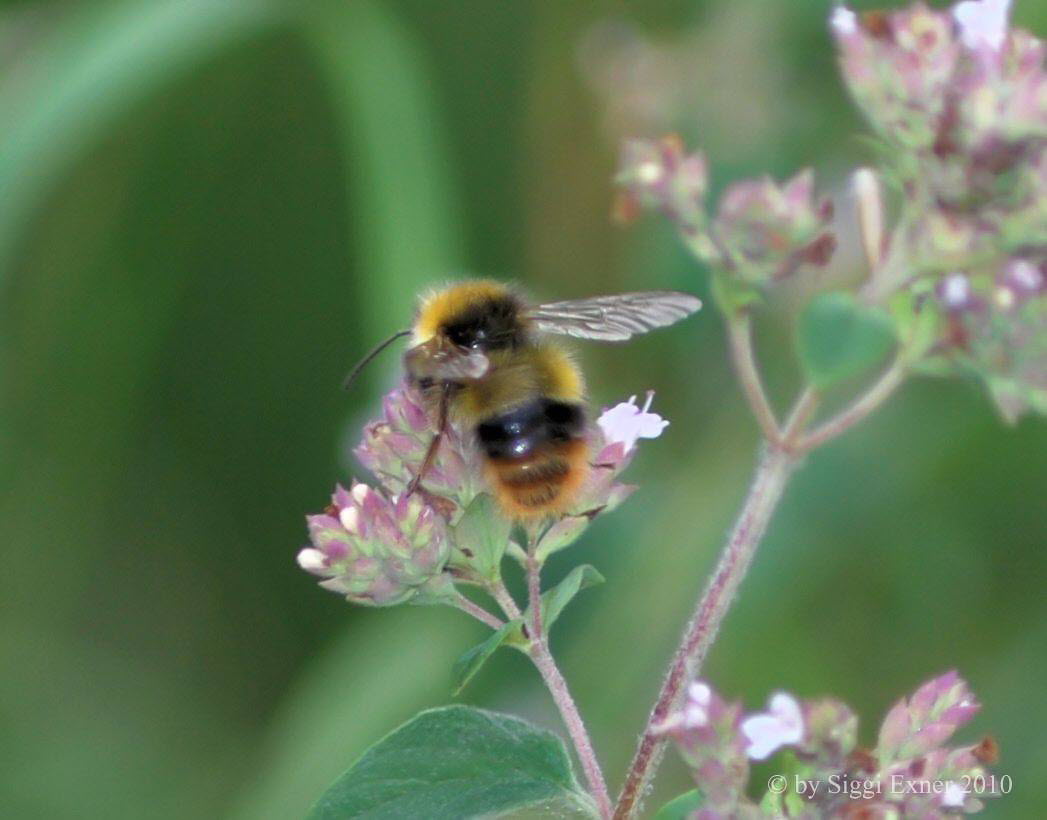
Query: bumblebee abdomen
[(536, 456)]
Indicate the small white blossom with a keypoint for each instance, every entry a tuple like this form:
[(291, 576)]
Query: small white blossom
[(781, 725), (955, 291), (983, 23), (311, 560), (843, 21), (696, 712), (649, 173), (625, 423), (954, 795)]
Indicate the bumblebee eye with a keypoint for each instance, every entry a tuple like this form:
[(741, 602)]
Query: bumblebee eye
[(467, 335)]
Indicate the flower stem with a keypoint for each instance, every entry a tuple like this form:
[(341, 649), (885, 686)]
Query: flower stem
[(772, 475), (572, 719), (740, 336), (478, 612), (504, 599), (534, 593), (856, 412), (554, 680)]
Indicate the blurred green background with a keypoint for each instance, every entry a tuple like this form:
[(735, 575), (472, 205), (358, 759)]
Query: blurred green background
[(208, 210)]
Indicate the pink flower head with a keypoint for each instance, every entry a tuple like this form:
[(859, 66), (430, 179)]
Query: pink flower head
[(983, 24), (767, 230), (377, 550), (625, 423), (781, 725), (659, 174)]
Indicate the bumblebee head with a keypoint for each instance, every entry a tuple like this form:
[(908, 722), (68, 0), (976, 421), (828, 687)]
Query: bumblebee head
[(478, 316)]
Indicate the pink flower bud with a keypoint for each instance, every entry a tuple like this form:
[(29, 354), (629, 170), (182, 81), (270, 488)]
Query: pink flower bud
[(657, 174), (766, 231)]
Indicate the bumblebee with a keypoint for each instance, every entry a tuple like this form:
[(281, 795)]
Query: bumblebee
[(481, 358)]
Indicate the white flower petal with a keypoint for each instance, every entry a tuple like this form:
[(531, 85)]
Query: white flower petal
[(762, 732), (781, 725), (956, 290), (350, 518), (625, 423), (790, 716), (695, 716), (699, 693), (983, 23), (311, 560), (954, 795), (843, 21)]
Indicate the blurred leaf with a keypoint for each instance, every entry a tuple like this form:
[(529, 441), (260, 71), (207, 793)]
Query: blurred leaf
[(731, 294), (471, 661), (680, 808), (454, 762), (561, 535), (917, 323), (838, 338), (87, 72), (404, 206), (484, 531)]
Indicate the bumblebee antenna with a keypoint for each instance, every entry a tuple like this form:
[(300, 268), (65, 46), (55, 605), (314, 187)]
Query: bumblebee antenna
[(366, 359)]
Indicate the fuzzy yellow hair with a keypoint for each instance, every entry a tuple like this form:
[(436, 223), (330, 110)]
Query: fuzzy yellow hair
[(436, 306)]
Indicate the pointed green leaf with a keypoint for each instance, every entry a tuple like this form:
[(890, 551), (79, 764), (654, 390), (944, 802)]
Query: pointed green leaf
[(555, 599), (471, 661), (560, 535), (838, 338), (482, 535), (681, 807), (456, 762)]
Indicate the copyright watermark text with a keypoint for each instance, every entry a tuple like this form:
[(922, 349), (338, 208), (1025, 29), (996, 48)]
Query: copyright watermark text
[(898, 785)]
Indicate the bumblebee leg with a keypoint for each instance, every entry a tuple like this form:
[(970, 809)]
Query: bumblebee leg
[(434, 445)]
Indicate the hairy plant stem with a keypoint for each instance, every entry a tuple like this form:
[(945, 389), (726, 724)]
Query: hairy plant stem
[(477, 611), (876, 395), (772, 475), (739, 334), (557, 686), (554, 680)]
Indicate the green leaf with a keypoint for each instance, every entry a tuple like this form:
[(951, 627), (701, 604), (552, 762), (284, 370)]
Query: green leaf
[(917, 323), (732, 294), (680, 807), (839, 338), (555, 599), (471, 661), (560, 535), (455, 762), (484, 532)]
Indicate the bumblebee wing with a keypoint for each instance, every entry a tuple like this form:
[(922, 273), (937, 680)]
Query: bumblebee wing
[(614, 318)]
